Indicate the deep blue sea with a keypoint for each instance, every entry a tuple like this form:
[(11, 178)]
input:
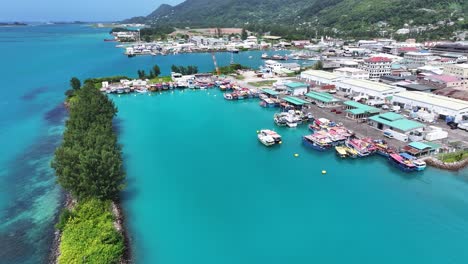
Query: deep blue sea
[(201, 189)]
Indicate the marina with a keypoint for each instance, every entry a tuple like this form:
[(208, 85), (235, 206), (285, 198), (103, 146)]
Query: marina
[(199, 180)]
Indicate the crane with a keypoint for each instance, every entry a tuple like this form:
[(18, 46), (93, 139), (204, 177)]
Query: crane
[(215, 63)]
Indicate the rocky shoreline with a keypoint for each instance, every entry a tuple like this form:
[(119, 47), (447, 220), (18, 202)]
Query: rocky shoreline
[(119, 225), (454, 166)]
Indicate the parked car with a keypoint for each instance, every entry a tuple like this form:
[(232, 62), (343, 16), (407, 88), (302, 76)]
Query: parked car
[(338, 112), (452, 125), (333, 110)]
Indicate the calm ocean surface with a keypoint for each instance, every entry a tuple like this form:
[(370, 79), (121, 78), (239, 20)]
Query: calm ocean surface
[(201, 189)]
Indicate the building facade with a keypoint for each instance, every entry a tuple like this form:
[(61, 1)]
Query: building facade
[(376, 67)]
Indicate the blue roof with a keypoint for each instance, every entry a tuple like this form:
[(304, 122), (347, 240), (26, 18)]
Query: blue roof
[(407, 156)]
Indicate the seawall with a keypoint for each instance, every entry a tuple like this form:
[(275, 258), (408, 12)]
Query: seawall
[(454, 166)]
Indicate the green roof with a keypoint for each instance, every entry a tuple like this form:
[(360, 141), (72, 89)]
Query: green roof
[(419, 145), (360, 108), (270, 91), (391, 116), (402, 124), (294, 85), (321, 96), (294, 100), (433, 145)]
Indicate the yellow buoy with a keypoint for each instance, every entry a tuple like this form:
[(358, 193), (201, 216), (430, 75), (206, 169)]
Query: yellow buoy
[(258, 131), (296, 155), (324, 172), (281, 142)]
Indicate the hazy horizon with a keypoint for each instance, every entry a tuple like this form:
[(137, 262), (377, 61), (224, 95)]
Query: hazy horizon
[(85, 10)]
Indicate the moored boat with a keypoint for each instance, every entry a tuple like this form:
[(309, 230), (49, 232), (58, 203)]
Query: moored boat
[(269, 137), (317, 142), (401, 163), (419, 164), (341, 151)]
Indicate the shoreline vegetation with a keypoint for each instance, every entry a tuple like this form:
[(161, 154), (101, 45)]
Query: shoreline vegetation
[(89, 166)]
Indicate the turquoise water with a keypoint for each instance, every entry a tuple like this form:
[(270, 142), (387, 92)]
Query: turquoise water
[(37, 63), (201, 189)]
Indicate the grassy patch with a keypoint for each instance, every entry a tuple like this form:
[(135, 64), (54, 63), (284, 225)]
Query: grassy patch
[(454, 157), (239, 77), (161, 79), (89, 235), (263, 83)]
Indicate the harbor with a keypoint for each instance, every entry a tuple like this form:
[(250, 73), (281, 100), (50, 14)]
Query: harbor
[(331, 129)]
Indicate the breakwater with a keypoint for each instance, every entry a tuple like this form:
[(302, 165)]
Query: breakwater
[(453, 166)]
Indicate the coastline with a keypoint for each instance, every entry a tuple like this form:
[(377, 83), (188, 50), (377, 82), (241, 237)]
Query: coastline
[(454, 166)]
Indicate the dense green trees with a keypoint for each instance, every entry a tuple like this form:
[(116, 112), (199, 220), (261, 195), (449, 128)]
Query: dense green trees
[(75, 83), (191, 69), (244, 34), (88, 164), (154, 73)]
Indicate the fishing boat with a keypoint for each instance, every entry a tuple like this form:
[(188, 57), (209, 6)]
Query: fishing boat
[(351, 152), (144, 90), (341, 151), (317, 142), (359, 146), (265, 136), (265, 56), (420, 164), (269, 102), (228, 96), (401, 163)]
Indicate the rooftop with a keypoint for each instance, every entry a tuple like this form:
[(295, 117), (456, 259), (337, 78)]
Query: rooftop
[(321, 74), (415, 86), (270, 91), (396, 121), (295, 85), (419, 145), (443, 78), (360, 108), (370, 85), (378, 59), (349, 69), (294, 100), (436, 100), (321, 96)]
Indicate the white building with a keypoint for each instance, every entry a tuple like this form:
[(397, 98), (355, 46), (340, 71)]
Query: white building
[(352, 73), (320, 77), (440, 105), (377, 67), (459, 70), (418, 57), (370, 89)]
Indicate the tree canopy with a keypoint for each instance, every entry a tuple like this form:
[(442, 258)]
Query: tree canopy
[(89, 162)]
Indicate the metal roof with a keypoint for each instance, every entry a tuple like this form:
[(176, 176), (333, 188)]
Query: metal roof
[(321, 74), (419, 145), (321, 96), (294, 100), (295, 85), (369, 85), (401, 124), (270, 91), (360, 108), (432, 99)]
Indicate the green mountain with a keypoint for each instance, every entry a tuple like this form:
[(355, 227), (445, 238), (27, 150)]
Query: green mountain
[(344, 17)]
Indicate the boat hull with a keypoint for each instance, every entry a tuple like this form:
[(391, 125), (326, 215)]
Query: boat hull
[(315, 146)]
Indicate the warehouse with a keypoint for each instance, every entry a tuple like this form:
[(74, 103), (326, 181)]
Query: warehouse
[(444, 107), (370, 89), (320, 77)]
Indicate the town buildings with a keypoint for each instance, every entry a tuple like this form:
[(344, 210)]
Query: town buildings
[(376, 67)]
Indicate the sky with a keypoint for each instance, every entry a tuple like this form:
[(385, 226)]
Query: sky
[(73, 10)]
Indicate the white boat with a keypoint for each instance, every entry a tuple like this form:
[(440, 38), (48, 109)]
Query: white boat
[(269, 137), (266, 140)]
